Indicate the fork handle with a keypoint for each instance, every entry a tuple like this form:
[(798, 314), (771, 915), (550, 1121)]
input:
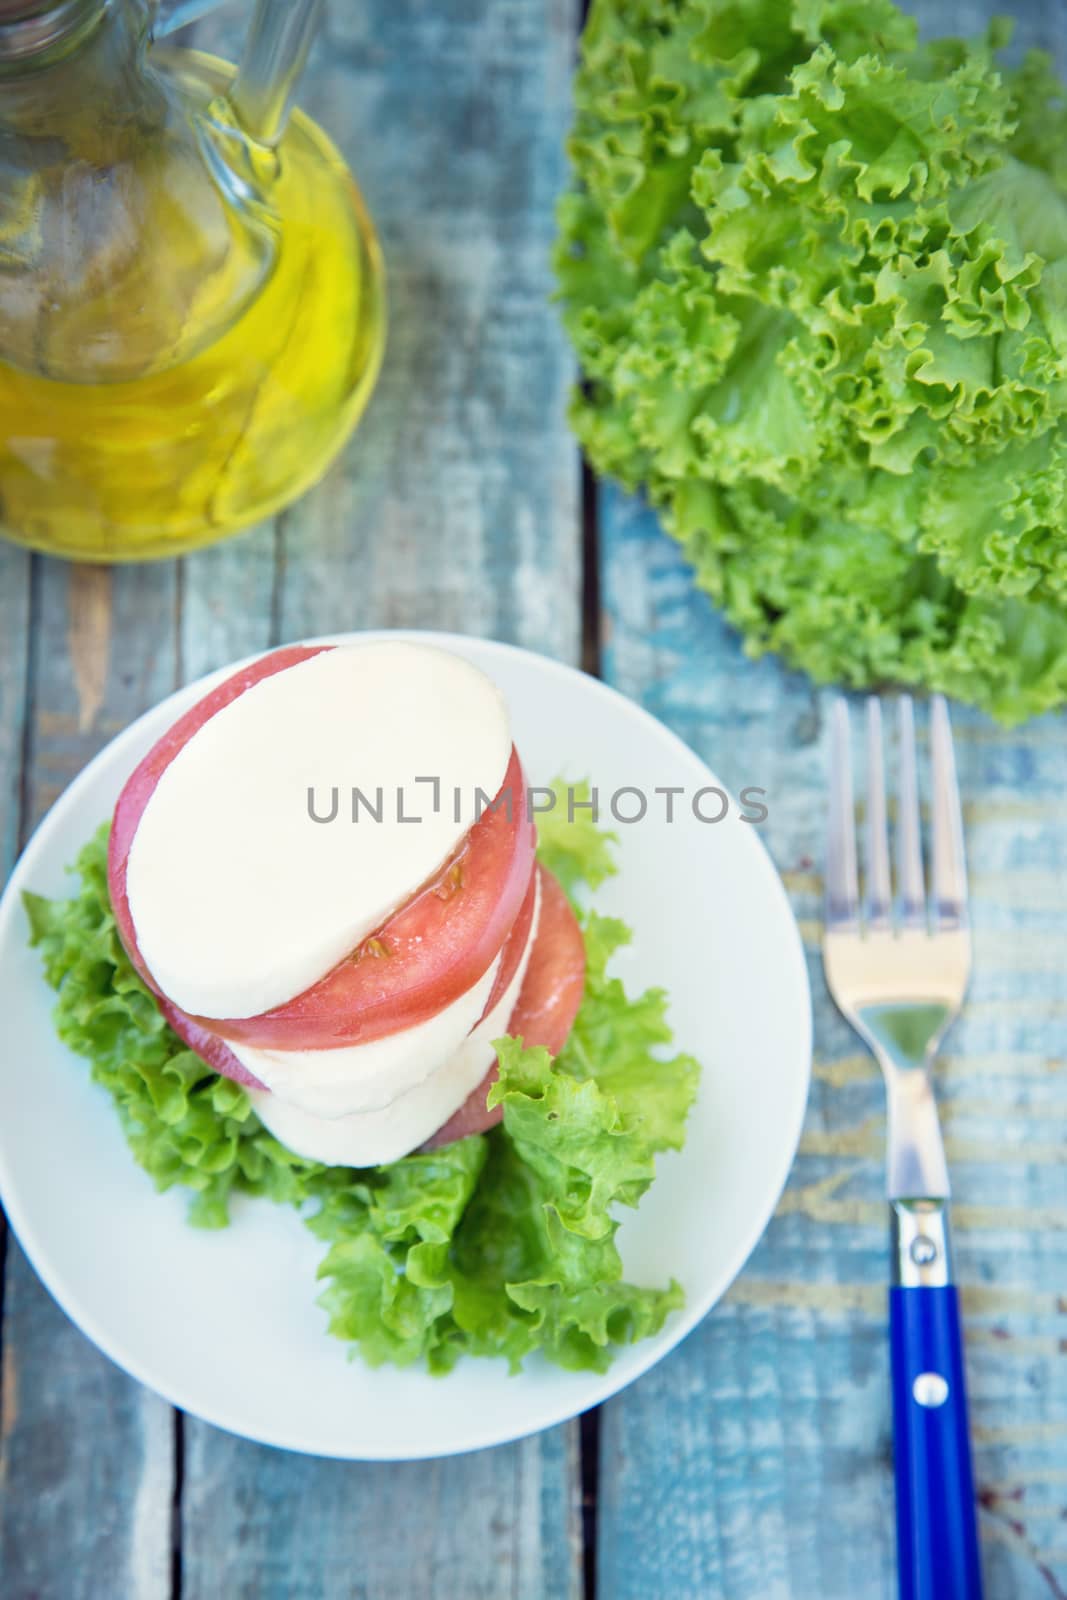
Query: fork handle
[(937, 1525)]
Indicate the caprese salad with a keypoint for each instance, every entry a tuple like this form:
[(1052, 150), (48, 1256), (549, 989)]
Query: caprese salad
[(352, 967), (321, 954)]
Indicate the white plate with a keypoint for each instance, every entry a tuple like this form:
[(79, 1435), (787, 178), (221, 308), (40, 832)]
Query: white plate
[(225, 1324)]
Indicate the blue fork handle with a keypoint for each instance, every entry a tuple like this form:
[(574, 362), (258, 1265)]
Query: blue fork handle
[(937, 1523)]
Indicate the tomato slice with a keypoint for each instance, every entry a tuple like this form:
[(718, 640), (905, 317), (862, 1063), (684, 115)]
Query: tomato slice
[(208, 1046), (555, 977), (514, 945), (545, 1010), (142, 782)]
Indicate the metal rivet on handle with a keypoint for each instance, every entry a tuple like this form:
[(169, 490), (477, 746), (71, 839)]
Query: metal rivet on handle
[(923, 1250), (930, 1389)]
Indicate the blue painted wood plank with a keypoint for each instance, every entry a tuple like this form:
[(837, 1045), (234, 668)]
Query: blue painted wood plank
[(454, 506), (15, 607), (229, 598), (86, 1454), (85, 1463), (260, 1525), (14, 651), (755, 1461)]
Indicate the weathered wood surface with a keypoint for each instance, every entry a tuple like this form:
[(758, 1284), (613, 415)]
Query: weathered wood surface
[(14, 633), (86, 1456), (455, 506), (755, 1461), (258, 1525)]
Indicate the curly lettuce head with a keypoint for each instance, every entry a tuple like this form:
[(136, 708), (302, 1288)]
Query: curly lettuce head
[(816, 275)]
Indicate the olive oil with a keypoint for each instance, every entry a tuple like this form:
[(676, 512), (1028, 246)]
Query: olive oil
[(208, 364)]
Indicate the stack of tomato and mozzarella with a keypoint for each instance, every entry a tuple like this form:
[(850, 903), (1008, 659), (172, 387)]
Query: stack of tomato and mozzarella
[(352, 973)]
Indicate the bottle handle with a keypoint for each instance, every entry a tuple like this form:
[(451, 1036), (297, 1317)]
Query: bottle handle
[(274, 56), (173, 14), (275, 51)]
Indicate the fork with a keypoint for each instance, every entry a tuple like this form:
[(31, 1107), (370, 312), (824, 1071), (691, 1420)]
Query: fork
[(897, 968)]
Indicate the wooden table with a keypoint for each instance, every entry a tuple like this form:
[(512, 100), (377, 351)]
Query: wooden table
[(755, 1461)]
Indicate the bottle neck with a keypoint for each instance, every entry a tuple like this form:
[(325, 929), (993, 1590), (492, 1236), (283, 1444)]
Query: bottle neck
[(36, 33), (84, 81)]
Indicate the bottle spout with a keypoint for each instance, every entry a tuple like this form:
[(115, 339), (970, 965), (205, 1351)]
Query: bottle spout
[(273, 59), (173, 14), (34, 29)]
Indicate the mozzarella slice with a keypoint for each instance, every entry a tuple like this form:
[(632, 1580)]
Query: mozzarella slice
[(371, 1138), (239, 900)]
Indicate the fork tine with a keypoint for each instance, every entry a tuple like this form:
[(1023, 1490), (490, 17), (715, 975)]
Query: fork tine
[(911, 893), (879, 889), (842, 881), (949, 864)]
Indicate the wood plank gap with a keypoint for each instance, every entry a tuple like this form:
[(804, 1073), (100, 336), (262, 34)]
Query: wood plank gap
[(30, 714), (591, 621), (3, 1282), (179, 605), (22, 829), (589, 1457), (277, 594), (177, 1417), (441, 514), (177, 1488)]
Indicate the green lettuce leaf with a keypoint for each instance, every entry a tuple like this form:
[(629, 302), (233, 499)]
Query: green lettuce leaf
[(507, 1241), (569, 841), (816, 276), (183, 1122), (501, 1244)]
